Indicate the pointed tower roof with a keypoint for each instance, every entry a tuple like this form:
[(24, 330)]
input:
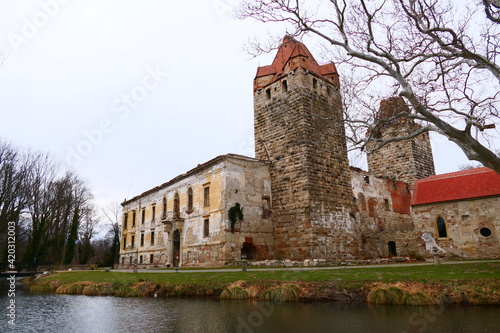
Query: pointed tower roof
[(291, 55)]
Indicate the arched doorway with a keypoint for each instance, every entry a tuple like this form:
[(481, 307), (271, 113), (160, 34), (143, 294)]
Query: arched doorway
[(392, 248), (248, 251), (176, 248)]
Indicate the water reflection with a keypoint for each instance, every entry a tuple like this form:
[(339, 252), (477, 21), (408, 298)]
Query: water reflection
[(67, 313)]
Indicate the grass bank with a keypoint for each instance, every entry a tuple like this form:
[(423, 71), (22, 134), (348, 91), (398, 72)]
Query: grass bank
[(473, 283)]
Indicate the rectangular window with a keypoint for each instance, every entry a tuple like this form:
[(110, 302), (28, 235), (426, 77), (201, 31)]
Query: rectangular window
[(132, 243), (133, 218), (152, 237), (206, 228), (387, 206), (140, 259), (206, 196), (142, 239), (124, 242), (153, 213), (143, 215), (151, 258), (125, 218)]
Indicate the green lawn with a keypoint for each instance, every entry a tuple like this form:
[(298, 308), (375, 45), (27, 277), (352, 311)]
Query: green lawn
[(387, 274)]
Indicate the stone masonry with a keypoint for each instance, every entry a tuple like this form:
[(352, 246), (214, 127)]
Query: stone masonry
[(299, 129), (401, 160)]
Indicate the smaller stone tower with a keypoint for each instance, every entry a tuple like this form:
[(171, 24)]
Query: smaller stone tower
[(406, 160)]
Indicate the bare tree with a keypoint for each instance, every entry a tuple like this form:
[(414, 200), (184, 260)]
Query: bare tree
[(112, 241), (439, 55)]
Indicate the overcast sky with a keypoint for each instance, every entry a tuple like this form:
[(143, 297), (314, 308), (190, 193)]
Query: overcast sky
[(133, 93)]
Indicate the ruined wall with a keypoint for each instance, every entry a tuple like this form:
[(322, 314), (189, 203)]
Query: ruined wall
[(299, 128), (472, 226), (384, 211), (406, 160), (229, 180), (249, 184)]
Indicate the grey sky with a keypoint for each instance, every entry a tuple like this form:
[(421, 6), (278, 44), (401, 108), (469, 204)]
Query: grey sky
[(133, 93)]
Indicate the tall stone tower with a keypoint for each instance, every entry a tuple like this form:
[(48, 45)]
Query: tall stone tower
[(299, 128), (406, 160)]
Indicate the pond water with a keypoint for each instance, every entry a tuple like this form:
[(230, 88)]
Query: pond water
[(74, 314)]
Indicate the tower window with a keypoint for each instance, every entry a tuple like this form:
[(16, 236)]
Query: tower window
[(284, 86), (268, 93), (366, 179), (441, 226), (315, 83)]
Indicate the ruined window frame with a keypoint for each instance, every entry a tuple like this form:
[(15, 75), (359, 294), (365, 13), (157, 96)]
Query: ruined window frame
[(266, 207), (125, 221), (142, 239), (152, 237), (134, 216), (132, 241), (164, 208), (124, 242), (177, 205), (206, 227), (153, 212), (206, 195), (190, 200), (143, 215)]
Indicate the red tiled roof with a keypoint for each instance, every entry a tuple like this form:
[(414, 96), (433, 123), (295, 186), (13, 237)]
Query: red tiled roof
[(467, 184), (291, 48)]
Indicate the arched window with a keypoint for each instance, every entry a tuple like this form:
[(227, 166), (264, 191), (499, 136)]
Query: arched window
[(177, 207), (190, 200), (441, 227)]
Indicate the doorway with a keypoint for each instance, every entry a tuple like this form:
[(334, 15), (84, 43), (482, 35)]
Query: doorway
[(392, 248), (176, 246)]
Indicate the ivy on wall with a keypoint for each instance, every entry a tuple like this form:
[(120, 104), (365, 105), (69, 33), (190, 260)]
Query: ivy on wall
[(235, 214)]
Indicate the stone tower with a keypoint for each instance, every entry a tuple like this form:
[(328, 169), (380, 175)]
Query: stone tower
[(406, 160), (299, 128)]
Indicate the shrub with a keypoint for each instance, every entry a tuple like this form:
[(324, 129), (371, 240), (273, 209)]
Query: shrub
[(283, 293), (234, 292)]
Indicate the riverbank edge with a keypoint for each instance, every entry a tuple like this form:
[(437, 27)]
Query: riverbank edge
[(466, 292)]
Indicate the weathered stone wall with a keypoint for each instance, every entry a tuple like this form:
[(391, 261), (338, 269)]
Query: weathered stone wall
[(406, 160), (465, 222), (299, 128), (384, 211), (230, 179)]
